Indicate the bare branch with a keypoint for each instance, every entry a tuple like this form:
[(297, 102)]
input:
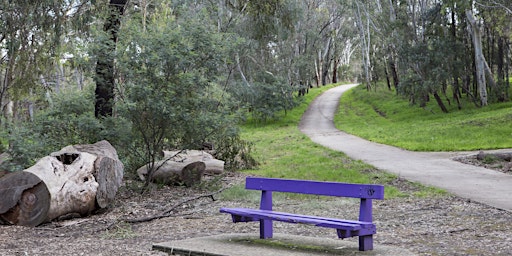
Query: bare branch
[(167, 213), (494, 4)]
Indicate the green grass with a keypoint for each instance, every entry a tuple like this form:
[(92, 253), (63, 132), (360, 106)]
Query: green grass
[(381, 116), (284, 152)]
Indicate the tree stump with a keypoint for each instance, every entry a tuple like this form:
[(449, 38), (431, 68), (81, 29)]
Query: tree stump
[(75, 180)]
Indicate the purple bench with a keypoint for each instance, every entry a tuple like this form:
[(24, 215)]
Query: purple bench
[(364, 228)]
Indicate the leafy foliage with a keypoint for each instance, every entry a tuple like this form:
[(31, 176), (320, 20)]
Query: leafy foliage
[(168, 68), (70, 120)]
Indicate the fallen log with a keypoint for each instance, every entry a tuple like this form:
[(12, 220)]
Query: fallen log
[(175, 173), (212, 165), (75, 180), (182, 167)]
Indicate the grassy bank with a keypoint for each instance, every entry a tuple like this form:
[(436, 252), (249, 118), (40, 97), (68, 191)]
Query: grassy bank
[(383, 117), (284, 152)]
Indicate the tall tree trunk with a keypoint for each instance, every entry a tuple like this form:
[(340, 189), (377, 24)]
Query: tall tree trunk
[(479, 58), (500, 62), (365, 44), (105, 80), (456, 84), (326, 61), (507, 68)]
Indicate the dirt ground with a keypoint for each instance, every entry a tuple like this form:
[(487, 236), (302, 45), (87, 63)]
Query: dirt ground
[(444, 225)]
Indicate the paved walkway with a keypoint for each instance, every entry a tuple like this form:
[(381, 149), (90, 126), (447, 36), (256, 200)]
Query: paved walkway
[(431, 168)]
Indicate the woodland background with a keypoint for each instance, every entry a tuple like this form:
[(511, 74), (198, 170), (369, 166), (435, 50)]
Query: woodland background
[(149, 75)]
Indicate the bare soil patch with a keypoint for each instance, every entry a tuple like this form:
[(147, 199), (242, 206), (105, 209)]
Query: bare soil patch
[(427, 226), (495, 161)]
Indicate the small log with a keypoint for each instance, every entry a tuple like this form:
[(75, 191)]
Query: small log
[(213, 166), (172, 173), (171, 170)]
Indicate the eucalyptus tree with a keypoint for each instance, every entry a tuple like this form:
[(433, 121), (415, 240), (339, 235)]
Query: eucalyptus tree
[(496, 18), (363, 21), (30, 44), (430, 52), (41, 38), (38, 47), (105, 78)]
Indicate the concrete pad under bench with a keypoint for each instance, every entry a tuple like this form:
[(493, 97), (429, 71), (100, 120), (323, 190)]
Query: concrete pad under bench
[(280, 245)]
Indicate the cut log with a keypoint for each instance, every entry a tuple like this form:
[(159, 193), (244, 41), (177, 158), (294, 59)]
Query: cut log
[(175, 173), (77, 180), (70, 180), (171, 170), (24, 199), (213, 166), (108, 170)]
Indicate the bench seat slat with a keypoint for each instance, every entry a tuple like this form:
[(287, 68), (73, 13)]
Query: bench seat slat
[(256, 214)]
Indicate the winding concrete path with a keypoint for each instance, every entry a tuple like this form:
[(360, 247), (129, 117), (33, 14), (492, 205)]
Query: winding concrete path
[(431, 168)]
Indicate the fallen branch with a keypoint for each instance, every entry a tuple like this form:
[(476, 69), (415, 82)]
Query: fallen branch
[(167, 213)]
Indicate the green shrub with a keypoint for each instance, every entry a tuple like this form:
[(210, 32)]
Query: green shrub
[(69, 120)]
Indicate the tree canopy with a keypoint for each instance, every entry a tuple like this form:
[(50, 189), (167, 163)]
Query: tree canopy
[(153, 74)]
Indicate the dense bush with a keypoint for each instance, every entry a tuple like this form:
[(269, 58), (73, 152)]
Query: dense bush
[(68, 120)]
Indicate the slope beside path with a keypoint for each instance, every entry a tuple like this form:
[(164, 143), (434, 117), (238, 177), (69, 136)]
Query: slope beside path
[(430, 168)]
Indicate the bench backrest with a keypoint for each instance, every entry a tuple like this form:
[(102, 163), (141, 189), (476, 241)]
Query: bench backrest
[(364, 191)]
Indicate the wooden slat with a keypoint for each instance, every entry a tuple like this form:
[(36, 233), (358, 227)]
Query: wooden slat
[(369, 191), (296, 218)]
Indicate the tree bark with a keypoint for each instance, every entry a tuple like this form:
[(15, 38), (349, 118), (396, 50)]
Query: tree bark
[(212, 165), (74, 180), (480, 62), (105, 79), (365, 44)]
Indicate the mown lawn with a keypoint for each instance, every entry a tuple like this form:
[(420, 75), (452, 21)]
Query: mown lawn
[(381, 116)]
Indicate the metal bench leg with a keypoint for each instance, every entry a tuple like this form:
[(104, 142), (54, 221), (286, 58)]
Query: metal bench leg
[(366, 243), (266, 225), (266, 229)]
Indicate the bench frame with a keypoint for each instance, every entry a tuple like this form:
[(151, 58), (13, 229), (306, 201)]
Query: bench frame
[(364, 228)]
